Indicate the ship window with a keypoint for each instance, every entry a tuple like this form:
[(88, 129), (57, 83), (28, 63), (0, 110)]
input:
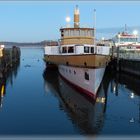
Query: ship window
[(62, 35), (69, 71), (67, 63), (85, 63), (86, 49), (64, 49), (86, 76), (92, 49), (70, 49), (74, 72)]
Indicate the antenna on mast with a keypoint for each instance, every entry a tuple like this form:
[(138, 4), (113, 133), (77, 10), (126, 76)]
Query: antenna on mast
[(125, 28)]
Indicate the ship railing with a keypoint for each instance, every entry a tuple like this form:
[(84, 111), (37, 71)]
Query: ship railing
[(83, 25)]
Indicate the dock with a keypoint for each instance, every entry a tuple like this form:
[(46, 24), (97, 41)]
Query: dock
[(8, 58), (126, 61)]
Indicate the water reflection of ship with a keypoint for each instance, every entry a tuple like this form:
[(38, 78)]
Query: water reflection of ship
[(86, 115), (7, 77)]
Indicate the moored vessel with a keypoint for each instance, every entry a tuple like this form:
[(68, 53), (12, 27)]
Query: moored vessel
[(79, 59), (127, 41)]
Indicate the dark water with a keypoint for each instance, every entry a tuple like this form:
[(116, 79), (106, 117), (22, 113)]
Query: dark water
[(39, 102)]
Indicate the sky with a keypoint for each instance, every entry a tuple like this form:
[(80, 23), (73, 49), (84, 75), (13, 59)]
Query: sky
[(33, 21)]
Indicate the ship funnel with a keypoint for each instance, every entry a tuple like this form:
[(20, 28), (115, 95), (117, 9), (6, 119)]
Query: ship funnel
[(76, 17)]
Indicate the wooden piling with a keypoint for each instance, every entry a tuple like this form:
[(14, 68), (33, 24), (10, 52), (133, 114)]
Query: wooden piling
[(8, 58)]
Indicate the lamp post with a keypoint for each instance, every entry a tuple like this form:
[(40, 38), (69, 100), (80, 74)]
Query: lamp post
[(135, 33), (68, 21), (118, 53)]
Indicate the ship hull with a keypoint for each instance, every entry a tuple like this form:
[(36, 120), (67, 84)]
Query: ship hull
[(83, 72), (85, 80)]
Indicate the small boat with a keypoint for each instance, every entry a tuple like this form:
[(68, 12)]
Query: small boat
[(79, 58)]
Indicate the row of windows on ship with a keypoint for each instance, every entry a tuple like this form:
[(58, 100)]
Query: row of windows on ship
[(77, 33), (71, 49), (126, 39), (86, 74)]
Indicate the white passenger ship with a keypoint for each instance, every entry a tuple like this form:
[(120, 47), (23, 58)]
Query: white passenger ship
[(79, 60), (127, 41)]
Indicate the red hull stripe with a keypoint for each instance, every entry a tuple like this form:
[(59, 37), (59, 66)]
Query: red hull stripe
[(81, 90)]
